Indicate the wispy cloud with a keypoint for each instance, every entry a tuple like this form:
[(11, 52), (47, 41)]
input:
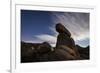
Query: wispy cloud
[(47, 38), (76, 23)]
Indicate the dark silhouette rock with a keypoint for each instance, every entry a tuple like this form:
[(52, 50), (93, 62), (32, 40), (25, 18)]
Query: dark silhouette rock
[(62, 53), (65, 53), (61, 29), (27, 52), (64, 38), (84, 52), (44, 48), (67, 49)]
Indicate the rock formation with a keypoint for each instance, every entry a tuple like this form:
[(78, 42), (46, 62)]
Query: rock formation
[(44, 48), (27, 52), (64, 39), (84, 52)]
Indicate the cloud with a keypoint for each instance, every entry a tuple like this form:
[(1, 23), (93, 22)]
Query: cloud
[(83, 43), (46, 38), (76, 23)]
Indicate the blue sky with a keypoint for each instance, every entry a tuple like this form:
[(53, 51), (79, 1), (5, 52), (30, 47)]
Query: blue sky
[(39, 26)]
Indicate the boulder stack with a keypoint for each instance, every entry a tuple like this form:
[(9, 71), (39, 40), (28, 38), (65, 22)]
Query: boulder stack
[(64, 39)]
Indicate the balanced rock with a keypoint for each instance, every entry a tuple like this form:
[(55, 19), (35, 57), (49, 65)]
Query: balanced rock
[(64, 39), (61, 29)]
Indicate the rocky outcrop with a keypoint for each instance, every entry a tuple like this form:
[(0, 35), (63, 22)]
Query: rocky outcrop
[(64, 39), (27, 52), (44, 48), (84, 52), (35, 52)]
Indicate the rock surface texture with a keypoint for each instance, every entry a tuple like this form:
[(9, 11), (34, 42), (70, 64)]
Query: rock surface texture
[(66, 43)]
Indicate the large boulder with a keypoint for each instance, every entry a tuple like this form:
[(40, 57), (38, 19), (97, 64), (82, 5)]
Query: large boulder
[(64, 38), (65, 53), (62, 53), (61, 29)]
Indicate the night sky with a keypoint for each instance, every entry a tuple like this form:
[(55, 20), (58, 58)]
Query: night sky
[(39, 26)]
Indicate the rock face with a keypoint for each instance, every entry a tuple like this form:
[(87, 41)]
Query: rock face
[(84, 52), (27, 52), (64, 53), (61, 29), (44, 48), (64, 39)]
